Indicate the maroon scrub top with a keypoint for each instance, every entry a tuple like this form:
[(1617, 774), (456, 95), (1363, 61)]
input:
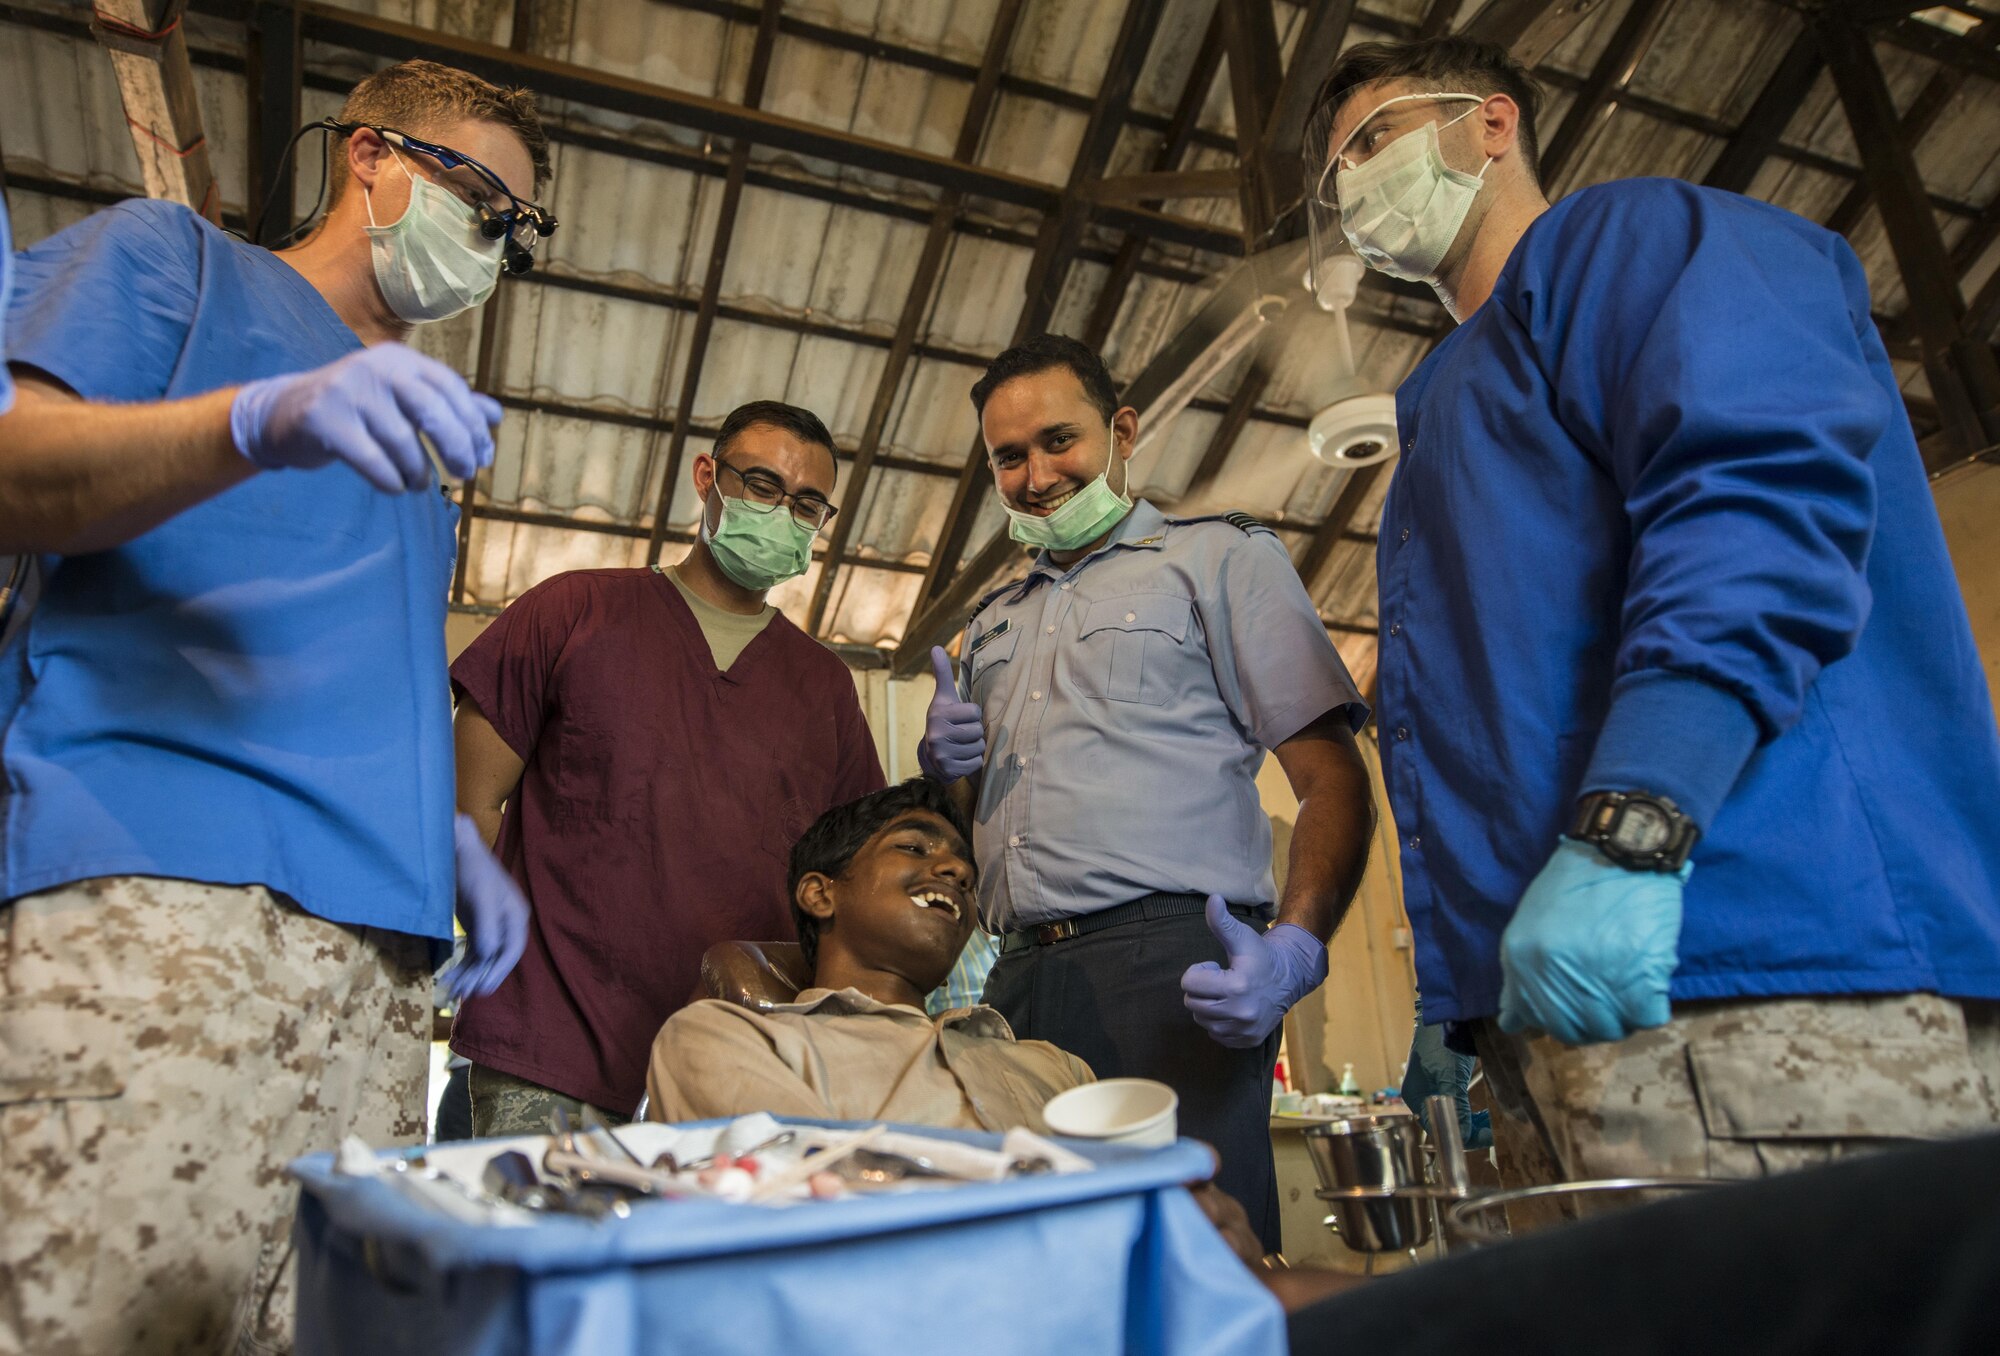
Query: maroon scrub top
[(655, 817)]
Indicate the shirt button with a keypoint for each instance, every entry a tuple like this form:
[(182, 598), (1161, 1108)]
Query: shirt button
[(1049, 630), (1131, 616), (1396, 629), (1068, 584), (1020, 760), (1015, 841), (1034, 696), (1416, 843), (1406, 534), (1402, 732)]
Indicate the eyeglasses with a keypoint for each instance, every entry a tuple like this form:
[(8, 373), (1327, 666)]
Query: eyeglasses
[(765, 493), (523, 224), (1369, 132)]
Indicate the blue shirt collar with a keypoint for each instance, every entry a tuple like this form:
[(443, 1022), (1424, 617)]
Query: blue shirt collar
[(1144, 528)]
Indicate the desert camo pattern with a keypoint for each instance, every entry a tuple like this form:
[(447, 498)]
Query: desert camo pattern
[(1744, 1089), (166, 1047)]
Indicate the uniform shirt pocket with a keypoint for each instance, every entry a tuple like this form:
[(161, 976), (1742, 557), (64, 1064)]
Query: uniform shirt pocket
[(62, 1046), (994, 650), (1125, 639)]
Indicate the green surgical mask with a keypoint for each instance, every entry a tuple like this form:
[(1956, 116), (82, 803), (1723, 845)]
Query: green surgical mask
[(1090, 513), (757, 550)]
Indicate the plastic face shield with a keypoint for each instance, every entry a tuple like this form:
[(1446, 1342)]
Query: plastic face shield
[(1323, 162)]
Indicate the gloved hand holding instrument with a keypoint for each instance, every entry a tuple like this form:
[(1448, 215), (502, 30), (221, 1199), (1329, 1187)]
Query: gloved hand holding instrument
[(1242, 1002), (372, 410), (954, 743), (493, 912), (1590, 952)]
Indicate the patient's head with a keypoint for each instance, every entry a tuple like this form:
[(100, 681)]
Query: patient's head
[(883, 886)]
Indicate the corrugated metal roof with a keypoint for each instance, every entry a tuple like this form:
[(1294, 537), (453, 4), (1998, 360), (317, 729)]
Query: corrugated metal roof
[(816, 278)]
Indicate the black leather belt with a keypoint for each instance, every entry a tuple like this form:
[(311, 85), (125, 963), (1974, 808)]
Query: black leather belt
[(1145, 907)]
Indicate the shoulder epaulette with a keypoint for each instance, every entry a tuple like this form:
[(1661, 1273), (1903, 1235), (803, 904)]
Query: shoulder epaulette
[(993, 594), (1242, 522)]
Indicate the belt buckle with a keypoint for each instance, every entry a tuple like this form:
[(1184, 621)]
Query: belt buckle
[(1046, 933)]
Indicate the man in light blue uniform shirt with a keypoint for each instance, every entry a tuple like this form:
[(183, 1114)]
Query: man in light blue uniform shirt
[(1688, 746), (1122, 698), (227, 853)]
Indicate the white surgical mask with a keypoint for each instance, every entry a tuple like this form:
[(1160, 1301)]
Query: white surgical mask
[(1402, 208), (432, 262)]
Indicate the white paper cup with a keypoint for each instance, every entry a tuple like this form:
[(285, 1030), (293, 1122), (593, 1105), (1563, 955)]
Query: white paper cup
[(1116, 1111)]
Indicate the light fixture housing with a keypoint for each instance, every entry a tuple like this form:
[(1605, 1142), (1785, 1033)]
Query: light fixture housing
[(1357, 431)]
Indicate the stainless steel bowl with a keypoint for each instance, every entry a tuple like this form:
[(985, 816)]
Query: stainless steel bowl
[(1360, 1161)]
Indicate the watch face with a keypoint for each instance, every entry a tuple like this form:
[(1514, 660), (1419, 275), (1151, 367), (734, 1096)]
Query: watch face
[(1641, 828)]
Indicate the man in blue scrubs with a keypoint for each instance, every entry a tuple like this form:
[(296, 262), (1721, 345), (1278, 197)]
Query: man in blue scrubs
[(1685, 736), (226, 836)]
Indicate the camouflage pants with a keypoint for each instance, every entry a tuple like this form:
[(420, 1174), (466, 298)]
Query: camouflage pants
[(505, 1105), (1743, 1089), (166, 1047)]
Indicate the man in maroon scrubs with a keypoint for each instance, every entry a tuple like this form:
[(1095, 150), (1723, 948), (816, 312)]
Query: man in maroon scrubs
[(658, 738)]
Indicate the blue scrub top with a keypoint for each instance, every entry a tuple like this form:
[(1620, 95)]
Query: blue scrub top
[(1660, 517), (254, 692)]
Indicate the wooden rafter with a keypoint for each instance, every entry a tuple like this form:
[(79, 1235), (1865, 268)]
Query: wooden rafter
[(1055, 250), (149, 53), (1598, 99), (495, 320), (1180, 134), (1918, 119), (711, 288), (1757, 136), (1964, 378), (971, 128), (1339, 520)]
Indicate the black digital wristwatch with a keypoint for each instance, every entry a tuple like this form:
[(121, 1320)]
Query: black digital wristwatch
[(1637, 830)]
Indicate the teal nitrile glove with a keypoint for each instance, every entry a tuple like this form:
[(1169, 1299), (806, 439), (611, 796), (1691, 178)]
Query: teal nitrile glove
[(367, 410), (1591, 948), (1241, 1003)]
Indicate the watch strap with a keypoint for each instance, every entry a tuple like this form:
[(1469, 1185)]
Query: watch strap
[(1596, 822)]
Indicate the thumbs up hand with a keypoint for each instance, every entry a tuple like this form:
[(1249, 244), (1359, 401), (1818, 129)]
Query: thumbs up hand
[(1242, 1001), (954, 743)]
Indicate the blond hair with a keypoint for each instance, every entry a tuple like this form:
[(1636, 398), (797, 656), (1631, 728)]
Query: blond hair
[(426, 100)]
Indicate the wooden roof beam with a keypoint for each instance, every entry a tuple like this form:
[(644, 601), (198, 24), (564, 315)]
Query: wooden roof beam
[(711, 287), (1964, 377), (916, 301), (156, 84)]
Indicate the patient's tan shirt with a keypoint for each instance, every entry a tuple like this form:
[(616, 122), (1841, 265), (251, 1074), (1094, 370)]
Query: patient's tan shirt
[(844, 1056)]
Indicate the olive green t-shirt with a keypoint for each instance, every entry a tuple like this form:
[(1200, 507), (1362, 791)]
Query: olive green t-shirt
[(727, 633)]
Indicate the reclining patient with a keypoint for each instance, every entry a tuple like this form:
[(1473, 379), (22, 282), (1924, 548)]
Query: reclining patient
[(883, 898)]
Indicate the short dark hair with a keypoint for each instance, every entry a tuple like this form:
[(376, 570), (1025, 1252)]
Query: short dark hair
[(801, 423), (1040, 354), (1445, 65), (830, 844), (425, 98)]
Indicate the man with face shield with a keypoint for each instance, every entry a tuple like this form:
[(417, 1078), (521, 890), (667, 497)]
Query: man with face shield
[(1119, 702), (228, 855), (644, 746), (1658, 565)]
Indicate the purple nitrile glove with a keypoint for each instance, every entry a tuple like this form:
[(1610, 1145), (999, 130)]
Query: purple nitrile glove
[(1242, 1002), (493, 911), (367, 410), (954, 743), (1590, 952)]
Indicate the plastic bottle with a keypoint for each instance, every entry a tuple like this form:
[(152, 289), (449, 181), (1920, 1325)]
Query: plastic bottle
[(1348, 1086)]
